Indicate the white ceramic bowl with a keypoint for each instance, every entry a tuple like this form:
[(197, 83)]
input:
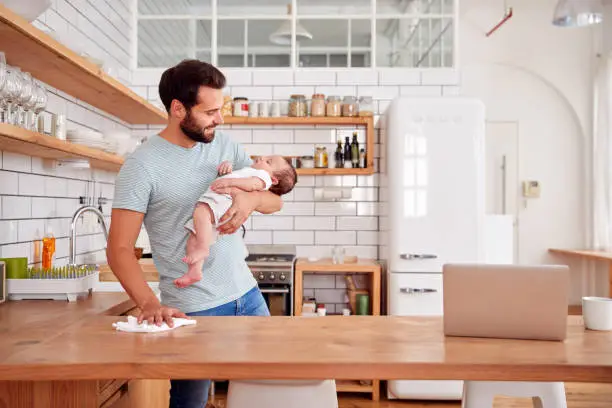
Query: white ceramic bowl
[(597, 313)]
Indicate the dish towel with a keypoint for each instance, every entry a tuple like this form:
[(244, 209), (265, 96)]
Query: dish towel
[(132, 325)]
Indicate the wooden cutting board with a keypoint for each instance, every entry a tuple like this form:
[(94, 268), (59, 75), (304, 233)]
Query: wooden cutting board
[(148, 269)]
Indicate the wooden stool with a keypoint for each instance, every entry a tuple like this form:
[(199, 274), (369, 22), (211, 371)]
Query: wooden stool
[(480, 394)]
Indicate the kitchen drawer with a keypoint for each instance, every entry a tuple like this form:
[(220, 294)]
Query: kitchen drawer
[(415, 294)]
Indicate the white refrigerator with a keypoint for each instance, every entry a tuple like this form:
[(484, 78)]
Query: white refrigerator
[(434, 158)]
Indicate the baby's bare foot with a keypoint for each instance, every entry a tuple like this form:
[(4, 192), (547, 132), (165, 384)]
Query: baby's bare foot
[(193, 275)]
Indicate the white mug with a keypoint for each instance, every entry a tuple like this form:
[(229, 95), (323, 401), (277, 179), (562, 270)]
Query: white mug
[(597, 313), (274, 109), (263, 109), (253, 112)]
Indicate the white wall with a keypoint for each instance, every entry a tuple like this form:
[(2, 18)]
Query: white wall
[(34, 196), (539, 76)]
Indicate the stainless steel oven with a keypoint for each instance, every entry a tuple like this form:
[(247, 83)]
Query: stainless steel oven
[(272, 267)]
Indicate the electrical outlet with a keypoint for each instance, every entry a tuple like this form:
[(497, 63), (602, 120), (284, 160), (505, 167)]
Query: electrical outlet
[(531, 189)]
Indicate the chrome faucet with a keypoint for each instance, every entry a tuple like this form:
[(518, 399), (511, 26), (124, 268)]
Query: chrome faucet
[(75, 217)]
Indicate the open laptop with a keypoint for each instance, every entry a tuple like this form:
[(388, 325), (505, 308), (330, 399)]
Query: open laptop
[(506, 301)]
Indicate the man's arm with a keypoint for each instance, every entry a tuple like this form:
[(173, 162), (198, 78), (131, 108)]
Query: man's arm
[(124, 230), (133, 188), (244, 204)]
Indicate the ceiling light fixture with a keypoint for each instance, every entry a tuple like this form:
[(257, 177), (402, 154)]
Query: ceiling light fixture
[(577, 13), (282, 36)]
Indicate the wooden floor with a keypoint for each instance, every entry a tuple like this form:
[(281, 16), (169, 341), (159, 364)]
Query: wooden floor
[(578, 396)]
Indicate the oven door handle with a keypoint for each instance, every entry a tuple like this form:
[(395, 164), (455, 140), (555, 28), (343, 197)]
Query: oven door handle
[(270, 290)]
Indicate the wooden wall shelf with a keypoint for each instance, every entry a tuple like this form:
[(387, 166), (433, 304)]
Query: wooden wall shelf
[(48, 60), (18, 140), (366, 121), (335, 172)]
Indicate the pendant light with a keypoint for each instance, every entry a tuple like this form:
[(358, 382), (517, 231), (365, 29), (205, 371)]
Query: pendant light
[(577, 13), (282, 36)]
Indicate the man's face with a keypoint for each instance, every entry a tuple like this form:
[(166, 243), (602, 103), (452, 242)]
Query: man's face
[(200, 121)]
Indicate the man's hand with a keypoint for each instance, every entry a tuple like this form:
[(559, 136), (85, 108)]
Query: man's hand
[(224, 168), (243, 204), (156, 313), (223, 186)]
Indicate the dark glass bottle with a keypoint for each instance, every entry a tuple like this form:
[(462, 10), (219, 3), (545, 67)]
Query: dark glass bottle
[(355, 151), (347, 152), (339, 157)]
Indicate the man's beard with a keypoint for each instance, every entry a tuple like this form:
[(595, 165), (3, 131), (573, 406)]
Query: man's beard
[(196, 133)]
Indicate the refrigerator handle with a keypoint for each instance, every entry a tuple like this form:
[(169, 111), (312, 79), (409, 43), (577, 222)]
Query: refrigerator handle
[(417, 290), (418, 256)]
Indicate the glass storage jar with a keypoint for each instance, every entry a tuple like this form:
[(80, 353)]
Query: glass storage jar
[(317, 105), (297, 106), (366, 106), (321, 158), (241, 106), (333, 107), (349, 106)]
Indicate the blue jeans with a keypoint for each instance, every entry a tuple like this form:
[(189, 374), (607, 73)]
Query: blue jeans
[(194, 393)]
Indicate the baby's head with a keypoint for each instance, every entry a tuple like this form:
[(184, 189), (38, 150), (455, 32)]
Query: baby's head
[(280, 170)]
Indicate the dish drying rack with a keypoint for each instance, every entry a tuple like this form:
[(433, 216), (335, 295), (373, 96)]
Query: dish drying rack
[(58, 283)]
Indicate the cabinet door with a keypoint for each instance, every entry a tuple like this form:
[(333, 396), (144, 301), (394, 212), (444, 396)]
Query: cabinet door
[(436, 182)]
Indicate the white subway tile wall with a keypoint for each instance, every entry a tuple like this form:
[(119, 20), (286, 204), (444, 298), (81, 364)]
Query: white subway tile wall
[(34, 194)]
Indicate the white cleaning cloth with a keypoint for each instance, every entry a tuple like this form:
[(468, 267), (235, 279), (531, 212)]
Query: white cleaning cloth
[(132, 325)]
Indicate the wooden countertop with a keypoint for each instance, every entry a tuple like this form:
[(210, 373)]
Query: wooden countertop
[(148, 269), (601, 255), (26, 323), (327, 265), (298, 348)]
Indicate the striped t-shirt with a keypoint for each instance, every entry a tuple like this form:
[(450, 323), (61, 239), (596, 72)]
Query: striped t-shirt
[(164, 181)]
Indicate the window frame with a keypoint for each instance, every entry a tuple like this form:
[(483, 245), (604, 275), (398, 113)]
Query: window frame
[(294, 55)]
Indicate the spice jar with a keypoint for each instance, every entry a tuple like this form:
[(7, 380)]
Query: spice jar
[(317, 105), (333, 107), (297, 106), (307, 162), (349, 106), (321, 158), (366, 106), (241, 106)]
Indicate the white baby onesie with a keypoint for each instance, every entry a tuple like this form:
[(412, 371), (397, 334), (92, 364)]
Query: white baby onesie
[(220, 203)]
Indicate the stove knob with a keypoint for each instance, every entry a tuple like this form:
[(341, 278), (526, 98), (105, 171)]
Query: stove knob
[(282, 277), (271, 276), (261, 276)]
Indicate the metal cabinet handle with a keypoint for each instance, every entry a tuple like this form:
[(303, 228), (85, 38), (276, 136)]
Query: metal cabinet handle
[(418, 256), (418, 290)]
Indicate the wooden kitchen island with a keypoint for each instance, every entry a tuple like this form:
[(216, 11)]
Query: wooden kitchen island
[(56, 354)]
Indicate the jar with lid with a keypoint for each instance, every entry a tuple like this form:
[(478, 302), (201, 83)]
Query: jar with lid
[(321, 158), (241, 106), (297, 106), (349, 106), (333, 107), (366, 106), (317, 105), (227, 109)]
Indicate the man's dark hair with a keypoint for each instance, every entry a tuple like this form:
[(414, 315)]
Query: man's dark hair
[(182, 82), (287, 179)]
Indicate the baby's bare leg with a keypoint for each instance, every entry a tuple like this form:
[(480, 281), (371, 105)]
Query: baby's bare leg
[(198, 245)]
